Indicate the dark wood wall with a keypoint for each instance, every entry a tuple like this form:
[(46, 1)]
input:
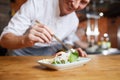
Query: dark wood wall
[(113, 26), (15, 5)]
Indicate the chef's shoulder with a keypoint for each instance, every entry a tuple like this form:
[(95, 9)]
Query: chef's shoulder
[(74, 19), (37, 3)]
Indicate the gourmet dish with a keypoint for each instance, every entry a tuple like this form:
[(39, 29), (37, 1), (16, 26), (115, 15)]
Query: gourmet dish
[(66, 57), (63, 57), (64, 60)]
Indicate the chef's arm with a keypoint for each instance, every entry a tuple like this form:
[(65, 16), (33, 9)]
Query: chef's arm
[(11, 41)]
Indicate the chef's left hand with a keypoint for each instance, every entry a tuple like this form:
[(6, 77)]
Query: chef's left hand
[(81, 52)]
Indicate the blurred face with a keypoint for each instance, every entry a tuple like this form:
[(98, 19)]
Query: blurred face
[(68, 6)]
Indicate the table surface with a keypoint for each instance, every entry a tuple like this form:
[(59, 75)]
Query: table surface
[(26, 68)]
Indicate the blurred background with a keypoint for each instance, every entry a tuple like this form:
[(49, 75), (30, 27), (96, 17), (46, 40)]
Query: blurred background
[(99, 25)]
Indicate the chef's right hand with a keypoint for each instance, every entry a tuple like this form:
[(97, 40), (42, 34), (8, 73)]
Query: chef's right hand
[(37, 33)]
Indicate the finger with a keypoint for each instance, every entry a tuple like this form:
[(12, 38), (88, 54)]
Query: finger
[(46, 33), (35, 38), (40, 35), (43, 30), (85, 54), (81, 52), (49, 30)]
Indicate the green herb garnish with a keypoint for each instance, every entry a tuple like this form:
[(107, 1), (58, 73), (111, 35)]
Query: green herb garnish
[(73, 56)]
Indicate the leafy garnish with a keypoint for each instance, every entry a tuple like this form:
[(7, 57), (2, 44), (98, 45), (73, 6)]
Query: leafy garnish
[(66, 57), (73, 56)]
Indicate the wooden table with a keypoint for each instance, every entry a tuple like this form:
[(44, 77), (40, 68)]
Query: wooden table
[(27, 68)]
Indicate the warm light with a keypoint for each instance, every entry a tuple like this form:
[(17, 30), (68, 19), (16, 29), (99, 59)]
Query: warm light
[(101, 14), (101, 1), (105, 52), (105, 35)]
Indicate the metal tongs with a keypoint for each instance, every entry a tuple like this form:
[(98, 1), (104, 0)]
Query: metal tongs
[(63, 44)]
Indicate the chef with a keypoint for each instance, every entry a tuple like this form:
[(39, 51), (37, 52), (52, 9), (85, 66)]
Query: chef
[(23, 37)]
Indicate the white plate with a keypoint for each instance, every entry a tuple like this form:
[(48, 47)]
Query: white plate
[(46, 63)]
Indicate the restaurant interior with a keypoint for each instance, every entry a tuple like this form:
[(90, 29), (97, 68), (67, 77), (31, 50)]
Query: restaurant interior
[(98, 30), (99, 36)]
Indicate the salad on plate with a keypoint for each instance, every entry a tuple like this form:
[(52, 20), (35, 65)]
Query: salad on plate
[(66, 57), (64, 60)]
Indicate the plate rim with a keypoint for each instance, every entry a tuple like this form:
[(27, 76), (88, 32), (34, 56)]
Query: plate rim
[(64, 66)]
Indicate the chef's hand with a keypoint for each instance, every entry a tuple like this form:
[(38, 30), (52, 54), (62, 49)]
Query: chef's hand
[(37, 33), (81, 52)]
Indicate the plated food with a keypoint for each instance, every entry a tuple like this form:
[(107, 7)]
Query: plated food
[(64, 60), (66, 57)]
